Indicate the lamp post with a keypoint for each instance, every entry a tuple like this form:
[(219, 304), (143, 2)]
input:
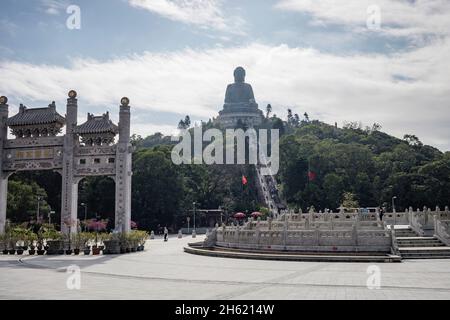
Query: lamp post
[(194, 231), (393, 203), (188, 222), (39, 198), (85, 214), (49, 216)]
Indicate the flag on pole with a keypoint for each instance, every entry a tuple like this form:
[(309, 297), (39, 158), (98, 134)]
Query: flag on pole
[(311, 175), (244, 180)]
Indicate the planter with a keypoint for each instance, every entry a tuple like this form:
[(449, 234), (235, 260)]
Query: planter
[(141, 248), (112, 247), (127, 250), (101, 247), (69, 252), (123, 250), (19, 252), (55, 247), (76, 251), (133, 249), (5, 251), (40, 252), (31, 252), (12, 251), (95, 251), (87, 251)]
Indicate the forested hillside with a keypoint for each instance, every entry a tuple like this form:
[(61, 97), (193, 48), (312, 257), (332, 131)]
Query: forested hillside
[(368, 165)]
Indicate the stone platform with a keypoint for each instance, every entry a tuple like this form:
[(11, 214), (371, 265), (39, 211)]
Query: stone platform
[(164, 271)]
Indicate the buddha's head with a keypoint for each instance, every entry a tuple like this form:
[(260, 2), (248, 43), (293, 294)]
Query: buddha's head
[(239, 74)]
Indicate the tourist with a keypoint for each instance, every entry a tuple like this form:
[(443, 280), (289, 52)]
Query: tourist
[(381, 214), (166, 234)]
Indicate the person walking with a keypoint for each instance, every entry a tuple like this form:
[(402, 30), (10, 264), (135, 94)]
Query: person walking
[(381, 214), (166, 234)]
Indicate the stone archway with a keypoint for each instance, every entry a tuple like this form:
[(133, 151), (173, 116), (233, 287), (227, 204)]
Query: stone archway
[(88, 149)]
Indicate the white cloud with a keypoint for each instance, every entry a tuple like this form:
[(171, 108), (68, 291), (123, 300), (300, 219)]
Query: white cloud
[(398, 17), (54, 7), (367, 88), (203, 13)]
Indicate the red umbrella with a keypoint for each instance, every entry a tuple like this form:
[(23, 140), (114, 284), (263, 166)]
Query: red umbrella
[(239, 215), (256, 214)]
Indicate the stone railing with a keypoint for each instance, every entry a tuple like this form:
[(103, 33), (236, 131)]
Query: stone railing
[(305, 240), (396, 218), (308, 225), (422, 222), (442, 230), (327, 216)]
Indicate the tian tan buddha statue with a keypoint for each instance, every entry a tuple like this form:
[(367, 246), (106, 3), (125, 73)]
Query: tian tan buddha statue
[(239, 94), (240, 107)]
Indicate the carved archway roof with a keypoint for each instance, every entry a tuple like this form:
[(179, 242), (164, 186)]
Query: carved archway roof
[(97, 124), (36, 116)]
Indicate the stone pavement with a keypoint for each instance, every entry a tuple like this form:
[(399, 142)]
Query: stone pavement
[(164, 271)]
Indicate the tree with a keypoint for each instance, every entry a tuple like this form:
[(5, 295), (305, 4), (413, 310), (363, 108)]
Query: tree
[(268, 110), (187, 122), (157, 188), (412, 140), (333, 186), (306, 117), (23, 201), (349, 200), (181, 125), (290, 117)]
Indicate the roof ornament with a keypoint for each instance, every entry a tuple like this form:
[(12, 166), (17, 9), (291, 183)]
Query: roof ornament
[(72, 94), (125, 101)]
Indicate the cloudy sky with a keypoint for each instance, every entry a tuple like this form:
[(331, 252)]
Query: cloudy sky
[(329, 58)]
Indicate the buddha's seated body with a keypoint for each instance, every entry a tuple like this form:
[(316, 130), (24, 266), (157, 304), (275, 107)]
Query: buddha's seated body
[(239, 95)]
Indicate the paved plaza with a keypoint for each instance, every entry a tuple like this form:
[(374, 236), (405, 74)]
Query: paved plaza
[(164, 271)]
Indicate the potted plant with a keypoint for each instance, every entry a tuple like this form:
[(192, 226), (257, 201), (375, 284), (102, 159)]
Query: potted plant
[(123, 240), (85, 239), (19, 235), (76, 242), (143, 236), (4, 243), (40, 242), (13, 238), (134, 240), (97, 226), (68, 243), (31, 237), (54, 240), (112, 243)]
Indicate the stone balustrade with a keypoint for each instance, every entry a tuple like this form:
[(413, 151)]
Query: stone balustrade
[(352, 240), (329, 231), (442, 230)]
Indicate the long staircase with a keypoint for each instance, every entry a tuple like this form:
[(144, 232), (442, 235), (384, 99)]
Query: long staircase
[(269, 191), (413, 246)]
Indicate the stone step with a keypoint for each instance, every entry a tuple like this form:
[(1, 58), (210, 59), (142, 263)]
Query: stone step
[(425, 250), (425, 255), (418, 241), (291, 257), (416, 238), (405, 234), (408, 245)]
